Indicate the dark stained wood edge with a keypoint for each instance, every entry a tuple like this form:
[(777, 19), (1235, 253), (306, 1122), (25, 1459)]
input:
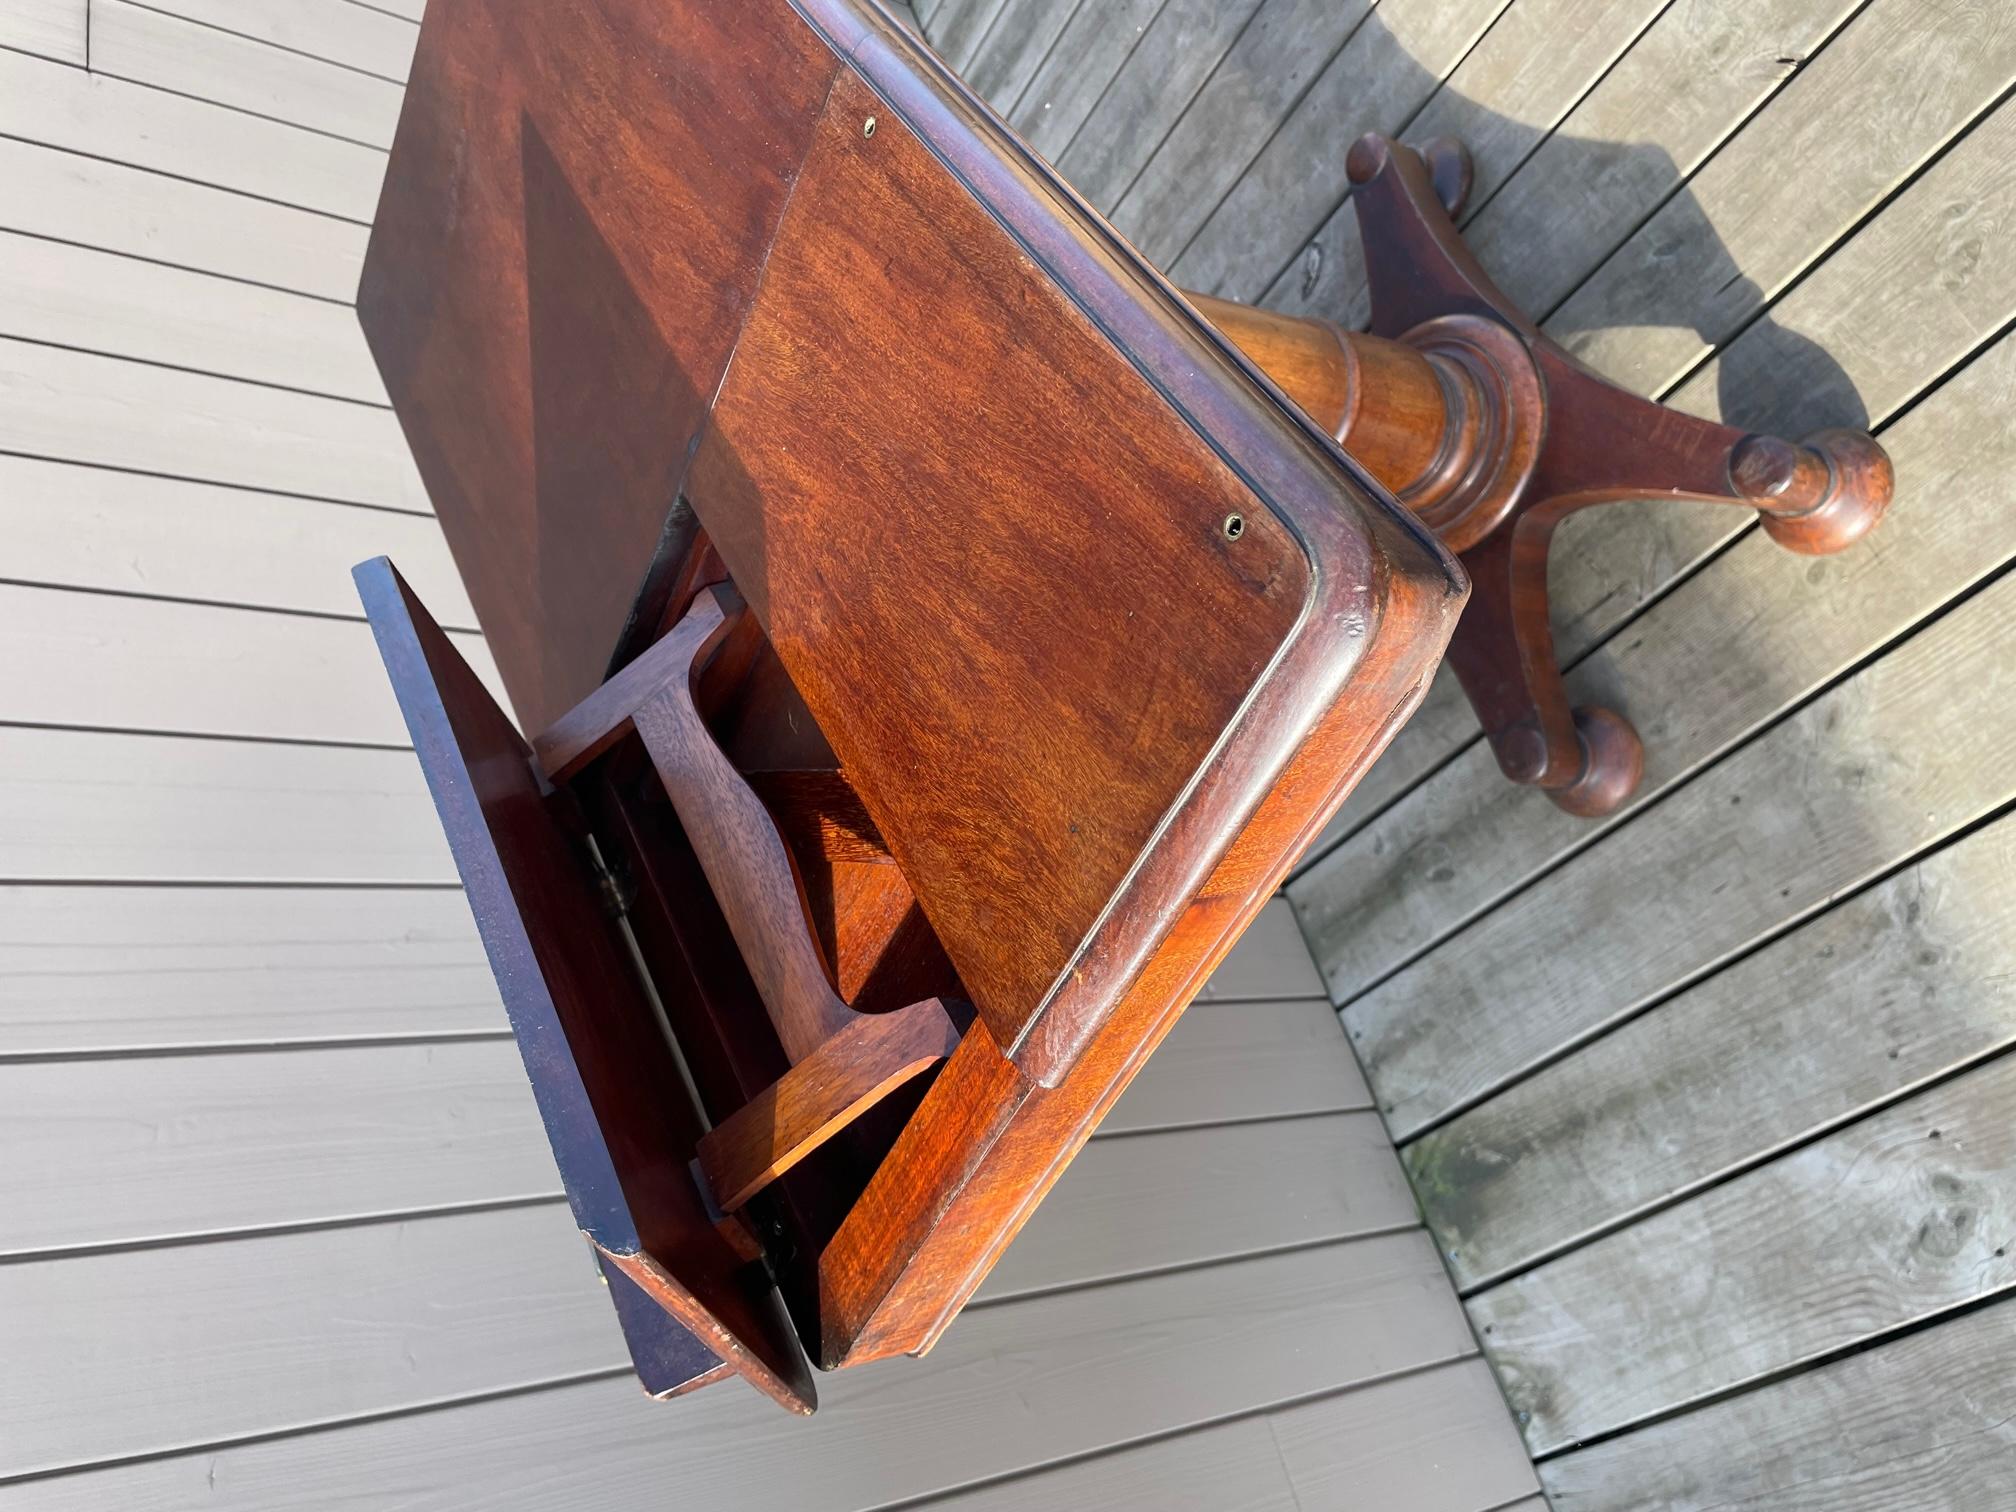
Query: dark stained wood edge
[(484, 783), (901, 1299), (1367, 558)]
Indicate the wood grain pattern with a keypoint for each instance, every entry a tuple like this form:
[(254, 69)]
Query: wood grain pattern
[(1015, 906), (1899, 985), (1276, 57), (1538, 60), (842, 1078), (87, 970), (1890, 763), (1918, 1425), (1383, 75), (1183, 45), (1096, 1367), (1690, 668), (1891, 1221), (1614, 566), (1074, 78), (1904, 79), (1021, 39), (129, 123)]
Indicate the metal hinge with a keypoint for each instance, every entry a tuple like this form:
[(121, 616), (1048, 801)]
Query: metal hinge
[(616, 892)]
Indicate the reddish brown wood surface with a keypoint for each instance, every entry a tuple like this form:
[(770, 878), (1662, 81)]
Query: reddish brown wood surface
[(851, 1072), (604, 1078), (1092, 626)]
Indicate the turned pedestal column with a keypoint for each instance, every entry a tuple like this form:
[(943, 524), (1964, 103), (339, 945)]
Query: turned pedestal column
[(1492, 433)]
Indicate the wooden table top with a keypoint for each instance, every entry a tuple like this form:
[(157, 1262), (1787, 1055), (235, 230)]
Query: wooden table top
[(1063, 581)]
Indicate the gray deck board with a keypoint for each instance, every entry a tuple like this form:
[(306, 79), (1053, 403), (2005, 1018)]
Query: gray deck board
[(1690, 670), (1772, 213), (1714, 1168)]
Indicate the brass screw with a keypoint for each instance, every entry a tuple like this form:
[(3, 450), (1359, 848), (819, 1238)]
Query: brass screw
[(868, 127), (1235, 526)]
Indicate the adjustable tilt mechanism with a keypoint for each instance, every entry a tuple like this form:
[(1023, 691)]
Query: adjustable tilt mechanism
[(1491, 433)]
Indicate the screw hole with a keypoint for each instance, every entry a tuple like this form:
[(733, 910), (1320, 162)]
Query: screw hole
[(1235, 526), (868, 127)]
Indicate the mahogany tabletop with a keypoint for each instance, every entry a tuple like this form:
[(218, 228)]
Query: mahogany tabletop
[(1065, 583)]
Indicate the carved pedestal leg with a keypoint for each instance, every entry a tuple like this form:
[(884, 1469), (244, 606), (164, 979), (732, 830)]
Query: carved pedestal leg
[(1492, 433)]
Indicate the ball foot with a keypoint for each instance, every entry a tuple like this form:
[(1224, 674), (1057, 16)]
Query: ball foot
[(1859, 487), (1613, 764)]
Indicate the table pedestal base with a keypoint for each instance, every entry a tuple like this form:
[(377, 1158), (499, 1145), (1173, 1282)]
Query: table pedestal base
[(1492, 433)]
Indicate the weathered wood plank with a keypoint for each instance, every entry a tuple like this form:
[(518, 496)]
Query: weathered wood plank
[(355, 36), (959, 28), (105, 661), (1885, 764), (1904, 79), (53, 29), (1886, 1223), (123, 307), (1539, 58), (1228, 1061), (1270, 961), (1087, 57), (170, 1146), (83, 806), (1275, 59), (1152, 1201), (297, 1329), (82, 407), (1690, 673), (90, 527), (1382, 76), (145, 46), (1924, 1424), (1890, 990), (1021, 39), (88, 970), (92, 203), (150, 128), (1438, 1441), (1184, 43), (1615, 560)]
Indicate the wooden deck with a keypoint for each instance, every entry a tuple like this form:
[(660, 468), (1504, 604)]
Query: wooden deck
[(279, 1228), (1709, 1104)]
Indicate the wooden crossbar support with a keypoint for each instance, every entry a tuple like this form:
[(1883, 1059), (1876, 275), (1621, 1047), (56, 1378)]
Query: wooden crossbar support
[(822, 1094)]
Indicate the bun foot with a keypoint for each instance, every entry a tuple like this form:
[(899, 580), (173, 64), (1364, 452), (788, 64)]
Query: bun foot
[(1853, 489), (1613, 764)]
